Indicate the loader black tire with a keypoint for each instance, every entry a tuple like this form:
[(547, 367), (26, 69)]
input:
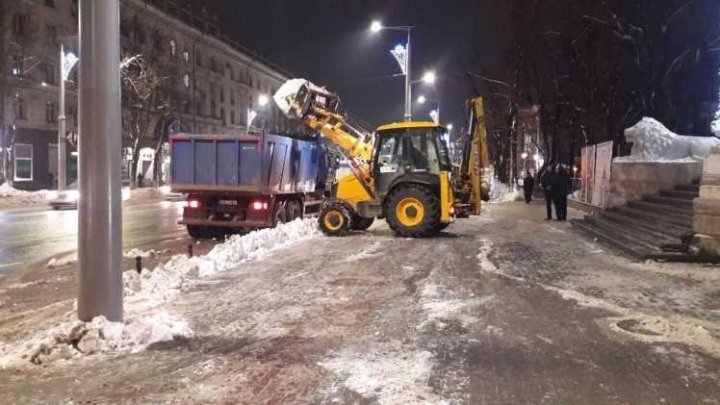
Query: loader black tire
[(335, 219), (361, 224), (413, 211)]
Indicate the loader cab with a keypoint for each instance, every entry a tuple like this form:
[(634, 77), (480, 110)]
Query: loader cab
[(409, 152)]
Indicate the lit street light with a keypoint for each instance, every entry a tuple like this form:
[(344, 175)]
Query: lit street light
[(429, 77), (421, 100), (402, 55), (263, 100), (449, 127)]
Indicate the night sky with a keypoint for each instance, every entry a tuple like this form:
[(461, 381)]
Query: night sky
[(329, 43)]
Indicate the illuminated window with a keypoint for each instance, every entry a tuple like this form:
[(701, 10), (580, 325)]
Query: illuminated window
[(23, 162), (186, 80), (173, 47)]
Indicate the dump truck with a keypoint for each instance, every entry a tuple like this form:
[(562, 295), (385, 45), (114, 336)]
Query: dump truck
[(245, 182)]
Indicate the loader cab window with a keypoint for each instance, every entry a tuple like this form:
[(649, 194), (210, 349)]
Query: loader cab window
[(411, 150)]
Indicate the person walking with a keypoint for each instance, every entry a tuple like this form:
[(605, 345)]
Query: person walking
[(561, 188), (546, 183), (528, 187)]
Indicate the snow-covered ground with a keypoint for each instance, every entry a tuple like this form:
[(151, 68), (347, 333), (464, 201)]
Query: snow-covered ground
[(147, 296)]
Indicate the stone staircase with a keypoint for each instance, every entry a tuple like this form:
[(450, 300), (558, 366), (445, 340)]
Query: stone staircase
[(658, 227)]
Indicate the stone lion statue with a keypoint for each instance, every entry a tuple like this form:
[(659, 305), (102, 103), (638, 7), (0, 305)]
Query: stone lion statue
[(652, 141)]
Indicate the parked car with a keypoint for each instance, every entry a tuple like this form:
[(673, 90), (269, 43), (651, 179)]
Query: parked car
[(68, 198)]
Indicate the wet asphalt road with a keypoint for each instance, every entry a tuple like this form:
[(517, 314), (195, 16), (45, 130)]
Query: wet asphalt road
[(30, 235)]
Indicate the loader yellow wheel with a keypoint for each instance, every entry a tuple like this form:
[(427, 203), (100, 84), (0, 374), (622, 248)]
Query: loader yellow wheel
[(334, 220), (413, 210), (410, 211)]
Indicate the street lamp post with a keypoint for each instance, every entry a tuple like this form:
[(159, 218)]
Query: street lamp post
[(402, 55), (100, 282), (67, 61)]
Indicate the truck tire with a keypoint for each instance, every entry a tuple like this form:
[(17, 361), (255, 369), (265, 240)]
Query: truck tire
[(199, 232), (413, 210), (361, 224), (334, 220), (280, 215), (293, 210)]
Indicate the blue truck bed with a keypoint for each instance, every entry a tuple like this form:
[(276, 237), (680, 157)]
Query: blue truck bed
[(245, 181), (269, 164)]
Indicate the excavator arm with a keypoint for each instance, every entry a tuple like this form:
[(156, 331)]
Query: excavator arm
[(473, 184), (318, 108)]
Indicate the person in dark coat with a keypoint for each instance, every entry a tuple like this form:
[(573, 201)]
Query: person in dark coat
[(546, 183), (528, 187), (561, 187)]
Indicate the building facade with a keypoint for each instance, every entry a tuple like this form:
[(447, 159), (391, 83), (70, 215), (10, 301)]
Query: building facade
[(194, 79)]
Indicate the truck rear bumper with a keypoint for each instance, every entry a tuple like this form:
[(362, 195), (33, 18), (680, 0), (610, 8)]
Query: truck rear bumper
[(228, 224)]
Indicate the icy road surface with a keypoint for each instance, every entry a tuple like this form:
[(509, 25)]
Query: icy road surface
[(498, 310), (34, 234)]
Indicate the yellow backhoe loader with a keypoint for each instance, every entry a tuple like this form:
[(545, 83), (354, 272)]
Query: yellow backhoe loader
[(401, 172)]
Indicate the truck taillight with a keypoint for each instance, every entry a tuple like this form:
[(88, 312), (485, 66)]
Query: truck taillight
[(259, 205), (193, 204)]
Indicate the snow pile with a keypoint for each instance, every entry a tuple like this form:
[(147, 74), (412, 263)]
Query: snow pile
[(54, 262), (392, 375), (76, 339), (240, 248), (653, 142), (7, 191), (167, 279), (133, 253), (501, 192)]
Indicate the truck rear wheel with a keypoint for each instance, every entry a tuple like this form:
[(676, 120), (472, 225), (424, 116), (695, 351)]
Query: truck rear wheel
[(199, 232), (280, 215), (413, 211), (334, 220), (361, 224), (293, 210)]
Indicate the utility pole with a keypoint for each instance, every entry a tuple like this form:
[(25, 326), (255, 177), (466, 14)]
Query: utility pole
[(408, 80), (100, 221)]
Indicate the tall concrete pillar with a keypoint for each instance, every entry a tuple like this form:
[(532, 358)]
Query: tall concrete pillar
[(100, 222), (706, 218)]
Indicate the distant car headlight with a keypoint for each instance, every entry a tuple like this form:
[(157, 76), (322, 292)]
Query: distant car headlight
[(125, 194)]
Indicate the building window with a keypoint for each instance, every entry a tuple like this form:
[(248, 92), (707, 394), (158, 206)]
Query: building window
[(186, 80), (173, 48), (50, 73), (232, 97), (222, 115), (198, 58), (186, 107), (186, 55), (222, 95), (19, 107), (50, 112), (232, 117), (23, 162)]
